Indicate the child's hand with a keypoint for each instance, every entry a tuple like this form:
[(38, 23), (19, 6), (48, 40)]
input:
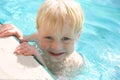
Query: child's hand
[(26, 49), (10, 30)]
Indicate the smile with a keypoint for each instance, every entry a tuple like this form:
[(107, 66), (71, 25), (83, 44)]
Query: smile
[(55, 54)]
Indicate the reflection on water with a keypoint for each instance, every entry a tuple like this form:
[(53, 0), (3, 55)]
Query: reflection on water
[(99, 41)]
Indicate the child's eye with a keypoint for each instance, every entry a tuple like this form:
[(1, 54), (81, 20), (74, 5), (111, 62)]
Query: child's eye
[(65, 38), (49, 38)]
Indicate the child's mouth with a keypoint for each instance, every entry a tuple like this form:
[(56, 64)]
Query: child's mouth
[(56, 54)]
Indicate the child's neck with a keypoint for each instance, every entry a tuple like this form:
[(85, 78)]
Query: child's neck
[(58, 68), (55, 66)]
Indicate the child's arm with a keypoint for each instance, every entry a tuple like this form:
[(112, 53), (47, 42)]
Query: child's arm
[(32, 37)]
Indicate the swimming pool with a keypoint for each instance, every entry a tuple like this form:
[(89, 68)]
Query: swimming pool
[(100, 38)]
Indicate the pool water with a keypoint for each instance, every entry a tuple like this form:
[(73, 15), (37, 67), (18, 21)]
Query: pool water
[(99, 43)]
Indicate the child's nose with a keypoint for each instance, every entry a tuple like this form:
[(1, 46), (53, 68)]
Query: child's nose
[(57, 46)]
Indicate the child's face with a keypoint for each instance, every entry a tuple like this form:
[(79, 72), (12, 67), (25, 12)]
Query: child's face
[(57, 44)]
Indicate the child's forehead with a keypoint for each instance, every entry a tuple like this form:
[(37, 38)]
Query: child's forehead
[(55, 33), (58, 28)]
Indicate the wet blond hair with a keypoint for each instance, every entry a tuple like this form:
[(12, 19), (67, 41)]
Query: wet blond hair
[(52, 11)]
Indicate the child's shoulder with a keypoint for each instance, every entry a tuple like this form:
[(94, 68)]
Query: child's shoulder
[(74, 63), (77, 58)]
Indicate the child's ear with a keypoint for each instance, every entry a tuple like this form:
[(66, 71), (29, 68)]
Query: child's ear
[(77, 37)]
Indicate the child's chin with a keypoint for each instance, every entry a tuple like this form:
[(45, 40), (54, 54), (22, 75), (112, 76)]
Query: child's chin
[(57, 59)]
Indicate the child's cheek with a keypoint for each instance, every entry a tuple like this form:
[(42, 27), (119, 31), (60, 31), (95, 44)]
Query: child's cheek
[(44, 46), (70, 48)]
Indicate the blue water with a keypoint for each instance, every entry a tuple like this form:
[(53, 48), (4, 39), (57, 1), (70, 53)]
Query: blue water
[(100, 38)]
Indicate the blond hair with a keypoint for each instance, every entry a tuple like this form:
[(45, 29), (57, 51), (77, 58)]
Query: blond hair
[(52, 10)]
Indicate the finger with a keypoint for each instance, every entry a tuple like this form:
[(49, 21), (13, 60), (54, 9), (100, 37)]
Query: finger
[(9, 29), (10, 33), (22, 48), (22, 45), (27, 54), (7, 26), (7, 33), (22, 51), (2, 30), (19, 35)]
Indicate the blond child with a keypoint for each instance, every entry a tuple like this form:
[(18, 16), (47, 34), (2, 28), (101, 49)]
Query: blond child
[(59, 24)]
